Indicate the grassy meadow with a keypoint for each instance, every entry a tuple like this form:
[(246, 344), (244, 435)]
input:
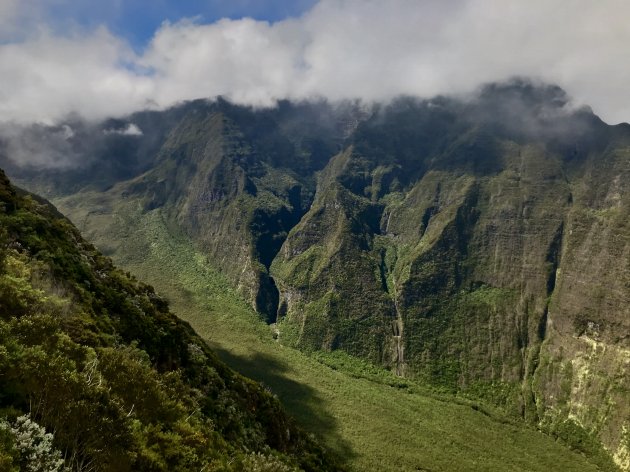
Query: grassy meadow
[(367, 416)]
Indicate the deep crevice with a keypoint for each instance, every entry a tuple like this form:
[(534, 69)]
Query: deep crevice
[(553, 258), (542, 324), (426, 217), (553, 261), (268, 298), (270, 230)]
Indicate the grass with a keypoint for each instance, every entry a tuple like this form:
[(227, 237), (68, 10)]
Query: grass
[(374, 420)]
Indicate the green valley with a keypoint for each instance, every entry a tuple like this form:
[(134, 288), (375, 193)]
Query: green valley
[(314, 236), (373, 419), (469, 255)]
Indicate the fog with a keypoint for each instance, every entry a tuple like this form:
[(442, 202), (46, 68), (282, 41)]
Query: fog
[(367, 49)]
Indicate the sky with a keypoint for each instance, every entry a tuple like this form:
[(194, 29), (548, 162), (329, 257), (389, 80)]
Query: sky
[(137, 20), (100, 59)]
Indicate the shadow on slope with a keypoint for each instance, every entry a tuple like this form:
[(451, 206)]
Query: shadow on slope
[(301, 400)]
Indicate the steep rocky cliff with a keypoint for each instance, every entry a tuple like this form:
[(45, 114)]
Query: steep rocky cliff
[(237, 181), (480, 247)]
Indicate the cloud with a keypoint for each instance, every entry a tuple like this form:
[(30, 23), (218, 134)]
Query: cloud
[(12, 18), (51, 77), (39, 145), (131, 129), (365, 49)]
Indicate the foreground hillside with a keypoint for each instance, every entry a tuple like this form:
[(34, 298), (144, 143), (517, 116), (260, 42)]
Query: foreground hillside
[(96, 359)]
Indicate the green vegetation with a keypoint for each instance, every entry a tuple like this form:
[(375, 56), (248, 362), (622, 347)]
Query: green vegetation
[(466, 247), (96, 371), (373, 419)]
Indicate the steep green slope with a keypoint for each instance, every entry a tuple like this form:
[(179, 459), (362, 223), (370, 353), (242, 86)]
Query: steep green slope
[(377, 421), (95, 357)]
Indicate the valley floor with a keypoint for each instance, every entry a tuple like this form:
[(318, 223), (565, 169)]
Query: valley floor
[(373, 425)]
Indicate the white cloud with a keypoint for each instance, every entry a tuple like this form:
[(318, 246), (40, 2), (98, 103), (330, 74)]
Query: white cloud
[(8, 10), (131, 129), (339, 49), (246, 60), (39, 145), (51, 77)]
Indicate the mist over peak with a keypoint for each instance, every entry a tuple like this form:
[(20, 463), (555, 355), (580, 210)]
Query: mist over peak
[(335, 49), (519, 109), (526, 91)]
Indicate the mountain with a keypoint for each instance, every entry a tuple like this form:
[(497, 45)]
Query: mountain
[(95, 358), (479, 245)]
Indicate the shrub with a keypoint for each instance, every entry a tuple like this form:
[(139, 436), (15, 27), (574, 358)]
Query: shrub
[(34, 446)]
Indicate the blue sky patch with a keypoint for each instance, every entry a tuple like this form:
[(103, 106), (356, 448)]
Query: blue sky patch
[(137, 20)]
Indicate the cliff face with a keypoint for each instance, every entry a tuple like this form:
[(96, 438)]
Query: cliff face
[(237, 181), (488, 255), (482, 245)]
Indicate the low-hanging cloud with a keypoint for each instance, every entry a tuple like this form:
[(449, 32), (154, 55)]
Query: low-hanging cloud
[(339, 49), (131, 129), (39, 145)]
